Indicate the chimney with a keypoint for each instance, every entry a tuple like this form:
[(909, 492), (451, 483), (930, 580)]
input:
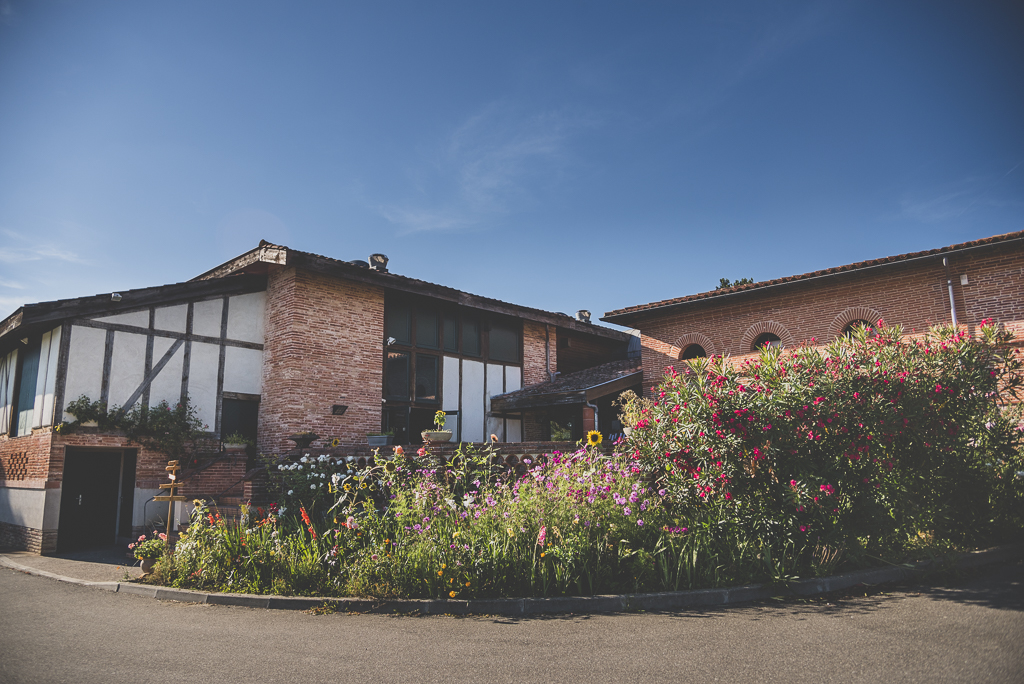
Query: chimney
[(583, 316), (379, 262)]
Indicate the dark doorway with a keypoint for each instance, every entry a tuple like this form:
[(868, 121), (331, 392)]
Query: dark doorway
[(89, 498)]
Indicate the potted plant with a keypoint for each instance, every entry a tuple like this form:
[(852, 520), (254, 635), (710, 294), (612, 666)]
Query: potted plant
[(379, 439), (439, 434), (148, 550), (631, 409), (236, 440), (304, 439)]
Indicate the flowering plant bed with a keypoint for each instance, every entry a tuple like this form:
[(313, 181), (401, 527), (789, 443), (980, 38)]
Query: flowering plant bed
[(876, 449)]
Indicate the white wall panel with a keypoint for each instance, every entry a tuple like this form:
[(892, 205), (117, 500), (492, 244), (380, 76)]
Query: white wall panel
[(206, 317), (243, 370), (495, 386), (450, 384), (24, 507), (513, 378), (202, 381), (139, 318), (127, 367), (166, 386), (472, 401), (171, 318), (46, 378), (85, 365), (513, 430), (245, 317)]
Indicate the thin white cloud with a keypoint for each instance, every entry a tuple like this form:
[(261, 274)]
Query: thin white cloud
[(16, 256), (11, 284), (953, 200), (492, 163)]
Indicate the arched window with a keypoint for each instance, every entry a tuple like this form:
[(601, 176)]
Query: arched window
[(766, 340), (694, 351), (853, 325)]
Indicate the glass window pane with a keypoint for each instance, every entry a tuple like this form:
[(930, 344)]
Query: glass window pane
[(470, 336), (396, 323), (27, 395), (426, 378), (396, 376), (504, 343), (451, 333), (426, 329)]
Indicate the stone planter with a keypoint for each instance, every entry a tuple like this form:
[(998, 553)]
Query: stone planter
[(302, 441), (627, 431), (147, 565), (379, 440), (436, 436)]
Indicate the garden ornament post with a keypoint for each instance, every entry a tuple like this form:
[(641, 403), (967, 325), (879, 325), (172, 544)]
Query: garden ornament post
[(170, 498)]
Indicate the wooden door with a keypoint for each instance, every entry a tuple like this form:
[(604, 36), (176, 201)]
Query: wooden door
[(89, 499)]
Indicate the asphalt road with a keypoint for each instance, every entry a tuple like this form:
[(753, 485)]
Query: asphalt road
[(971, 631)]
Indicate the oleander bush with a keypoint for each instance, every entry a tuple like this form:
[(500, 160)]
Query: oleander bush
[(877, 447)]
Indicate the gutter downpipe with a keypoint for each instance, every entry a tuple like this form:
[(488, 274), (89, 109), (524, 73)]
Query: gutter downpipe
[(594, 406), (949, 285)]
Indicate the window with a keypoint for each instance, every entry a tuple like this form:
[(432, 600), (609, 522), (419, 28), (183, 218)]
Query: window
[(852, 326), (239, 416), (426, 328), (470, 336), (396, 324), (396, 376), (693, 351), (766, 340), (28, 371), (504, 344), (426, 378), (451, 333)]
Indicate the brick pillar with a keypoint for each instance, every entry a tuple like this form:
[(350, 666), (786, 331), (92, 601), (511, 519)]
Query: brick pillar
[(588, 419)]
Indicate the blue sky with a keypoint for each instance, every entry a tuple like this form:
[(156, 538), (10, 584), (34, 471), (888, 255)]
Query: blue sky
[(553, 154)]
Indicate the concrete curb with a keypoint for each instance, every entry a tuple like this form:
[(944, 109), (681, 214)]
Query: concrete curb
[(615, 603)]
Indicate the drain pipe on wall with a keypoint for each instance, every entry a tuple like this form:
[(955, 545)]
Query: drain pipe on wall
[(596, 424), (547, 351), (949, 284)]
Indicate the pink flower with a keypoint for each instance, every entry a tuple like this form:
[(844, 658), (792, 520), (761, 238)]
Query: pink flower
[(163, 537), (542, 536), (142, 537)]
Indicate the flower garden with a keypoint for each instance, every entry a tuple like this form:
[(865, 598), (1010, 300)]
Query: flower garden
[(876, 448)]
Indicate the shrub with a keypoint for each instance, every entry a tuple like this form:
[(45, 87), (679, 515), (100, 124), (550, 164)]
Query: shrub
[(863, 445)]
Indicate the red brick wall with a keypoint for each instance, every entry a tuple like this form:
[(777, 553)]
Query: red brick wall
[(27, 538), (149, 466), (912, 294), (25, 461), (534, 359), (323, 346)]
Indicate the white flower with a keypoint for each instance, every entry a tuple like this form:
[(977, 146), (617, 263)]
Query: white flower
[(280, 510), (322, 458), (322, 476), (290, 492), (280, 467), (312, 486), (304, 458), (1020, 474)]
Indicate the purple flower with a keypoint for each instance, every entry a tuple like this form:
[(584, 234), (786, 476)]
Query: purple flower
[(639, 523), (627, 511)]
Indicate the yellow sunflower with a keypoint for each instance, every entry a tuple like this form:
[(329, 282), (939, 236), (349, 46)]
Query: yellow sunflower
[(594, 438)]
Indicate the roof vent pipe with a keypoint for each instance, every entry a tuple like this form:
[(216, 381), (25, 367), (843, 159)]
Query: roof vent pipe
[(949, 284), (583, 316), (379, 262)]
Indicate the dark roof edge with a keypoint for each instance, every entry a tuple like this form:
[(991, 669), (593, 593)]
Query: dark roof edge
[(622, 316), (268, 253), (131, 300)]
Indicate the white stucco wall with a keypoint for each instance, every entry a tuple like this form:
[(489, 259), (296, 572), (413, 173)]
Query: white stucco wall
[(166, 386), (127, 366), (171, 318), (245, 317), (85, 365), (137, 318), (36, 508), (243, 370), (202, 381), (206, 317)]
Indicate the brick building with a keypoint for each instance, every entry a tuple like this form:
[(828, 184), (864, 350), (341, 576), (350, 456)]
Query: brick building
[(271, 343), (965, 283)]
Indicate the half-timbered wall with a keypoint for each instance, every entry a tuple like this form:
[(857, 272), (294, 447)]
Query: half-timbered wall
[(199, 350)]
